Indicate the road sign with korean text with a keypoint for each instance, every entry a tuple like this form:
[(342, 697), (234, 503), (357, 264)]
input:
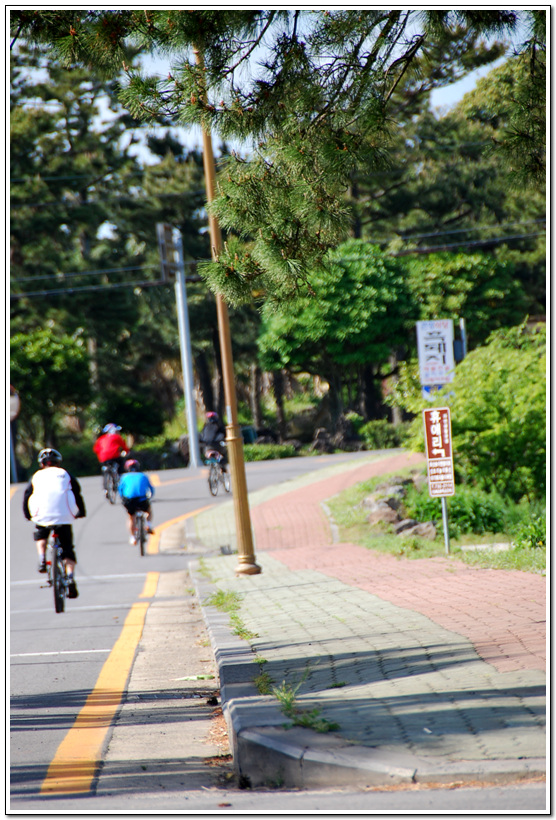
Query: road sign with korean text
[(438, 442), (435, 345)]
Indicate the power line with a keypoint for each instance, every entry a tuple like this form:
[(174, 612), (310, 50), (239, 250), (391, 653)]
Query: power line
[(81, 273), (149, 283), (194, 278), (125, 198), (437, 248), (97, 272)]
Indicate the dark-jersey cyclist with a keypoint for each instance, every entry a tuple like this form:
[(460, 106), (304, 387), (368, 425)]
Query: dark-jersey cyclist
[(212, 437), (135, 490), (110, 447), (53, 500)]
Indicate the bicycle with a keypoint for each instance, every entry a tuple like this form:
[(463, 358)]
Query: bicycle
[(56, 572), (110, 480), (140, 529), (216, 475)]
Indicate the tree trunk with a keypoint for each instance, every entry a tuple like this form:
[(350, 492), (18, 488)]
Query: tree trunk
[(205, 382), (336, 403), (255, 396), (278, 388), (370, 397), (396, 412), (218, 383)]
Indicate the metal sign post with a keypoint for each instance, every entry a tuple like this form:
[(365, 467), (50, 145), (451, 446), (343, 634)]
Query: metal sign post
[(440, 464)]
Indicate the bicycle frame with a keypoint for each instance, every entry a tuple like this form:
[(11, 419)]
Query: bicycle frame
[(110, 481), (216, 473), (140, 529), (56, 571)]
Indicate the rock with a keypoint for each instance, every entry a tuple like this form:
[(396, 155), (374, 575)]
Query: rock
[(404, 525), (322, 442), (423, 530), (383, 515)]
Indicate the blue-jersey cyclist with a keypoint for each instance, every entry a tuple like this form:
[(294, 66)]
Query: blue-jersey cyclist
[(135, 490)]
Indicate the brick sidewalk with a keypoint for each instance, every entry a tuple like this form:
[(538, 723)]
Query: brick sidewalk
[(502, 612)]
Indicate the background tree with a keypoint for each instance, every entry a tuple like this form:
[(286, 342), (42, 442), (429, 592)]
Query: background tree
[(83, 243), (360, 312), (476, 287), (50, 370), (448, 187)]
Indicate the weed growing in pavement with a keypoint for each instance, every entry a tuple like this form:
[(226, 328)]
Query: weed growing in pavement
[(224, 601), (230, 602), (286, 694), (204, 570), (263, 682)]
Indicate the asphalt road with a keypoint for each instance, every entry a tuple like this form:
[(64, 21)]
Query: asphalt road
[(55, 660)]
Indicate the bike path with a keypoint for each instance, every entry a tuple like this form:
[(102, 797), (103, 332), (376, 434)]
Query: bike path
[(431, 671)]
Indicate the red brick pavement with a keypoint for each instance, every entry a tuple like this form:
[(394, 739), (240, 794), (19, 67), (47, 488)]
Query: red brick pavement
[(502, 612)]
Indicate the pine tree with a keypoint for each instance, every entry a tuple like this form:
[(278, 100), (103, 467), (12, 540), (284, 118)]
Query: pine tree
[(309, 91)]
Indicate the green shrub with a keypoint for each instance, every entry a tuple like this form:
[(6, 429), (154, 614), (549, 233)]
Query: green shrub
[(381, 434), (265, 452), (79, 459), (531, 534), (470, 510)]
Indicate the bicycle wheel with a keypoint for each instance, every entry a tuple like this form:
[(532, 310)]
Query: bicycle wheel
[(112, 488), (140, 532), (214, 479), (226, 481), (58, 584)]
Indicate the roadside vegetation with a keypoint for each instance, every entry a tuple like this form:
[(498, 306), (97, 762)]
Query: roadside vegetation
[(475, 519)]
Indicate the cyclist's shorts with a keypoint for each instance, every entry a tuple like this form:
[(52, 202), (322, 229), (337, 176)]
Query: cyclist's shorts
[(134, 504), (65, 534)]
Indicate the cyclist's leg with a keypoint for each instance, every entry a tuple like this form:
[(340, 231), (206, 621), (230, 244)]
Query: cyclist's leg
[(146, 506), (224, 460), (41, 536), (131, 505), (65, 534)]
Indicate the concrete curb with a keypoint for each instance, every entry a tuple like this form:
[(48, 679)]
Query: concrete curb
[(268, 754)]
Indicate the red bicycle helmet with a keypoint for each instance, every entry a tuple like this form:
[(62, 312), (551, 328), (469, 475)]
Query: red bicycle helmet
[(131, 465)]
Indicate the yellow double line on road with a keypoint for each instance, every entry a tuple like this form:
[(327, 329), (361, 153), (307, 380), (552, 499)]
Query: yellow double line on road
[(78, 756), (76, 760)]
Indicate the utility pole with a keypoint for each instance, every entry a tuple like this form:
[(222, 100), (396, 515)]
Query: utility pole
[(234, 441), (172, 265)]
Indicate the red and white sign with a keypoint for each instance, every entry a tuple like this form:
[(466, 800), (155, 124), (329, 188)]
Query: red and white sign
[(438, 442)]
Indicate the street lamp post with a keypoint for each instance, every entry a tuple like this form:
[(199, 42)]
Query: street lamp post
[(247, 562)]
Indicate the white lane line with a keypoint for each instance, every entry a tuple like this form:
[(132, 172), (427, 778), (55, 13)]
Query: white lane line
[(84, 579), (74, 609), (64, 652)]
